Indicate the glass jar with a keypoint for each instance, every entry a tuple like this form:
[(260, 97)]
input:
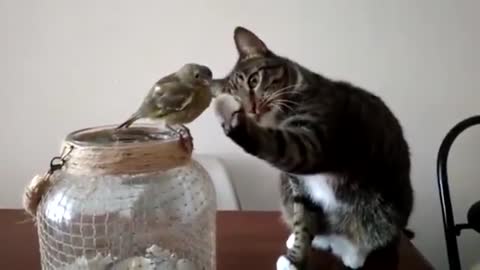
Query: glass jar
[(128, 199)]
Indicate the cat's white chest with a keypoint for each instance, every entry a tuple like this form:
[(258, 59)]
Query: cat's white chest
[(320, 191)]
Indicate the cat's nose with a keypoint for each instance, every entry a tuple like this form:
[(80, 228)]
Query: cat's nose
[(251, 109)]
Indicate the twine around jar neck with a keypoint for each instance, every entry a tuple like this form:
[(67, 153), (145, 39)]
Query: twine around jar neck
[(127, 159), (86, 157)]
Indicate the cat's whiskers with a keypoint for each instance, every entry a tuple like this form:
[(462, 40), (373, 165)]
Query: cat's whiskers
[(293, 103), (287, 101), (269, 98), (283, 104), (290, 108), (282, 91), (282, 108)]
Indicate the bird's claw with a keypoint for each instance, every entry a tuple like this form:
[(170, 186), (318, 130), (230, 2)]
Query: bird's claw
[(185, 131), (186, 138), (186, 141)]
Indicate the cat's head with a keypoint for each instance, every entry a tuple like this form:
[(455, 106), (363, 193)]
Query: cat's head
[(263, 81)]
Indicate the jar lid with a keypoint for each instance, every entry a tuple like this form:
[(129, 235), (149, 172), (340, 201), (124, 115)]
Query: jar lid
[(137, 149)]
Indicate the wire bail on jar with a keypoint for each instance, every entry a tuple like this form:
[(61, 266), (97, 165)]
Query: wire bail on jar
[(40, 184)]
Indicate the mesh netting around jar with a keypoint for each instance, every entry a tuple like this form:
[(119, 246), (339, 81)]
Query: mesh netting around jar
[(158, 218)]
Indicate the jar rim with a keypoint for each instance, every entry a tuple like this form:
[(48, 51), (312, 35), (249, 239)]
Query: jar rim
[(135, 135), (94, 150)]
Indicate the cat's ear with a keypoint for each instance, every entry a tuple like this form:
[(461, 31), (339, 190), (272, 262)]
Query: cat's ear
[(217, 87), (248, 44)]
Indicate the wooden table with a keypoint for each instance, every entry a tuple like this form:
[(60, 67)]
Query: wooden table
[(245, 240)]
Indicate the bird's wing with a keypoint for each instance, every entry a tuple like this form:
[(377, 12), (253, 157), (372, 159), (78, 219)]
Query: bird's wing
[(173, 97), (168, 79)]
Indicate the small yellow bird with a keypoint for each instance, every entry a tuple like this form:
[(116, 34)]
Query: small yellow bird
[(177, 99)]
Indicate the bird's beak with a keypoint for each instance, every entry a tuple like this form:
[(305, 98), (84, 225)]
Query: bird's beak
[(206, 82)]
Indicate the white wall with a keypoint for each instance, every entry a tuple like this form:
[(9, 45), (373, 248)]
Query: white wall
[(66, 65)]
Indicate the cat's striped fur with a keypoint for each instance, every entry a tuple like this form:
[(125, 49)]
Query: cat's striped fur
[(345, 162)]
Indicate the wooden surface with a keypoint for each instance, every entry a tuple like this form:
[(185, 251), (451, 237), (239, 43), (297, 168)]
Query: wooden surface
[(245, 240)]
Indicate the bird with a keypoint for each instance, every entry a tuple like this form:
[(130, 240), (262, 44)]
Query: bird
[(177, 99)]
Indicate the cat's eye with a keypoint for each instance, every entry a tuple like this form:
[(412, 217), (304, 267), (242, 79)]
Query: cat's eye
[(253, 81), (239, 77)]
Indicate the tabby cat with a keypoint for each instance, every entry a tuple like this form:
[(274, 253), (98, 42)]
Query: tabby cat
[(345, 183)]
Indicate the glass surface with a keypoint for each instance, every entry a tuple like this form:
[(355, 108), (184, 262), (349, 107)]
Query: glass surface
[(157, 220)]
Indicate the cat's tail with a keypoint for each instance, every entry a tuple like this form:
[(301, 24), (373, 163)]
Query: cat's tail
[(408, 233)]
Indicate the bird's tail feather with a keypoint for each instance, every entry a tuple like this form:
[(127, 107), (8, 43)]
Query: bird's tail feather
[(129, 121)]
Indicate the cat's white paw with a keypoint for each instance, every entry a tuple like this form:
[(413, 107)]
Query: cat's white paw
[(353, 260), (284, 264), (226, 110), (290, 241), (321, 242), (352, 255)]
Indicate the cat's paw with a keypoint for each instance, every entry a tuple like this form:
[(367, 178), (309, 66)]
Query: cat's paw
[(353, 261), (284, 264), (227, 109), (352, 255), (290, 241), (321, 242)]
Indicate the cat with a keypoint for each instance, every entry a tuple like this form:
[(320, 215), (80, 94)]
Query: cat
[(345, 182)]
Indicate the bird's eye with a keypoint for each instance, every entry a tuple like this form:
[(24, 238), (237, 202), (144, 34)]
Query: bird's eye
[(253, 81), (197, 75)]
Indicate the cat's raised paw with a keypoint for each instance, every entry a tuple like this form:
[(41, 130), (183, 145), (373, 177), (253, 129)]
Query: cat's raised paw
[(284, 264), (227, 108), (290, 241)]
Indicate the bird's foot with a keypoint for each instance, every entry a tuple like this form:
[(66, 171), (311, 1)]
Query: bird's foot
[(186, 130), (184, 136), (186, 141)]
